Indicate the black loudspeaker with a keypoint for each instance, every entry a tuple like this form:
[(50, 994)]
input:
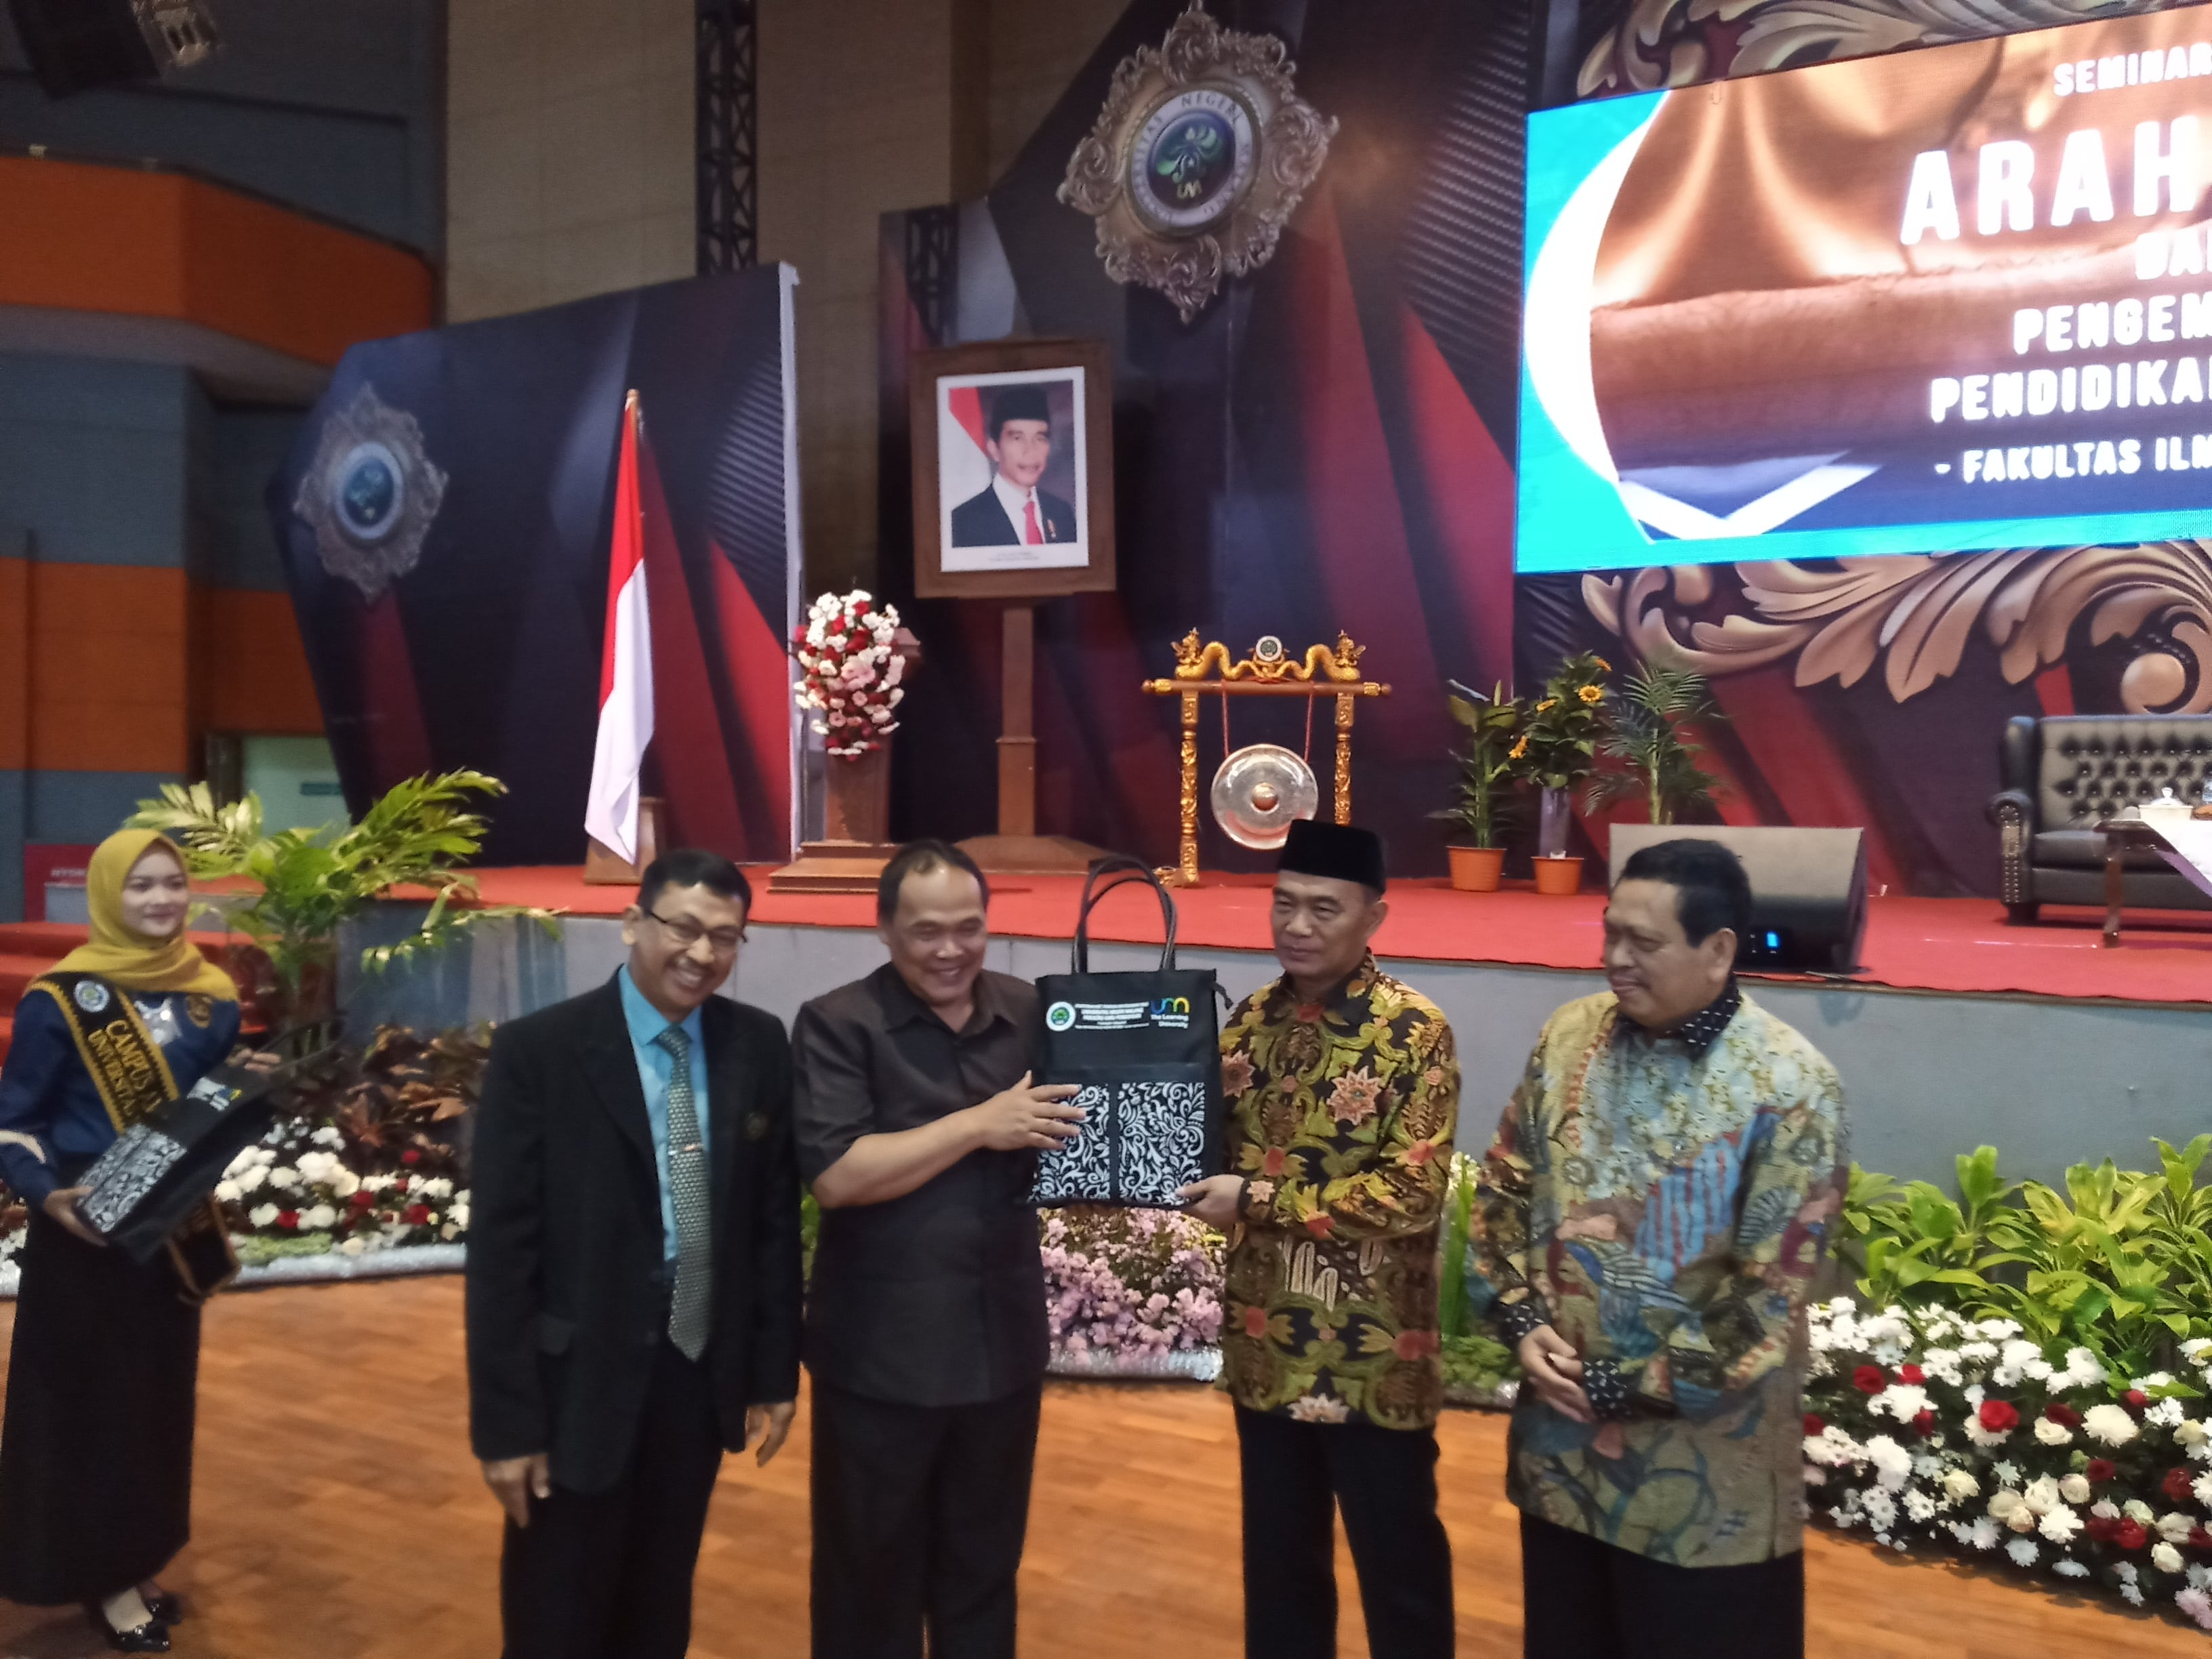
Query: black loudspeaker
[(76, 44), (1808, 889)]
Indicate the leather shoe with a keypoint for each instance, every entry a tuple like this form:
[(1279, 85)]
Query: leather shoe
[(152, 1637), (166, 1606)]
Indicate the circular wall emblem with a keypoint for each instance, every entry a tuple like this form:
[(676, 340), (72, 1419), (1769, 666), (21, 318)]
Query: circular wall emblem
[(369, 492), (1060, 1015), (91, 996), (1200, 154), (1192, 160)]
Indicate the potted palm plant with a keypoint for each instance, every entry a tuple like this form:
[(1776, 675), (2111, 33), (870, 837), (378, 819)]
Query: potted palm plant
[(1482, 796), (1653, 757), (305, 884), (1558, 751)]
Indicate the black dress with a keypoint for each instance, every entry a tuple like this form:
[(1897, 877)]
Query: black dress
[(96, 1446)]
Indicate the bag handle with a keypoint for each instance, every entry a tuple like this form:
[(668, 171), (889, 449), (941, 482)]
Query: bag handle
[(1125, 871)]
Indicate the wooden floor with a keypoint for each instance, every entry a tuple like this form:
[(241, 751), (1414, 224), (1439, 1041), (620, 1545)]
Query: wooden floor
[(340, 1517)]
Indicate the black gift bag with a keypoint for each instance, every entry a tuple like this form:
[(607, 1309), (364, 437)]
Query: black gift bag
[(149, 1182), (1143, 1050)]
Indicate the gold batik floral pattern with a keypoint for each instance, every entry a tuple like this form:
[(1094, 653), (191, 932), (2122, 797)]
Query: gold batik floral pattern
[(1341, 1116), (1664, 1211)]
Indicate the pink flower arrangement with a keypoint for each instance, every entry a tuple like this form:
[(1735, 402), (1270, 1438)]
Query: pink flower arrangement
[(1130, 1282)]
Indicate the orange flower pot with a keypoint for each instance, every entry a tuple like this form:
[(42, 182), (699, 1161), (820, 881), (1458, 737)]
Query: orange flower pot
[(1476, 869), (1558, 877)]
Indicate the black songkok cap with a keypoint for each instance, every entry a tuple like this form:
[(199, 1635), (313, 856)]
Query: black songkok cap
[(1017, 403), (1343, 851)]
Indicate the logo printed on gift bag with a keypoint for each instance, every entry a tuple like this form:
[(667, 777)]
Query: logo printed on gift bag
[(1060, 1015)]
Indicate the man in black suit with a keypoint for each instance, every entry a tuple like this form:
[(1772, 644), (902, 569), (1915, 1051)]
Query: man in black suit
[(1010, 508), (919, 1127), (633, 1273)]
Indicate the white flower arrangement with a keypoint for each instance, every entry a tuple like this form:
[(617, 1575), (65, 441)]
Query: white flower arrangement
[(1931, 1429), (849, 671)]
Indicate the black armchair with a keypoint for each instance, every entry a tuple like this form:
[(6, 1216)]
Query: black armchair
[(2063, 775)]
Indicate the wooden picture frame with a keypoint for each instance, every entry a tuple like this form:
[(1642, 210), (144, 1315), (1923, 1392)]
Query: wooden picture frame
[(966, 544)]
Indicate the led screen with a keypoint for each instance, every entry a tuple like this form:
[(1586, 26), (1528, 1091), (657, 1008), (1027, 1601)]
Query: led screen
[(1946, 299)]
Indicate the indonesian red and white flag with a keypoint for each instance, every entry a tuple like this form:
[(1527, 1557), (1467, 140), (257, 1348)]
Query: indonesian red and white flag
[(625, 666)]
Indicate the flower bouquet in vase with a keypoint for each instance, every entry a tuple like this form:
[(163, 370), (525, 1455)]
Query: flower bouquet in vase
[(1557, 751), (854, 658)]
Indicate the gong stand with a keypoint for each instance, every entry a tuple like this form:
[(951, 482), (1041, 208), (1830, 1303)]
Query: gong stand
[(1208, 671)]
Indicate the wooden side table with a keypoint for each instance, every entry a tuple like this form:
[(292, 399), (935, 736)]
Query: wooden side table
[(2123, 836)]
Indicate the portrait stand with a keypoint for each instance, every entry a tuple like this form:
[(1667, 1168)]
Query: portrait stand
[(1017, 849), (1269, 672), (1075, 556)]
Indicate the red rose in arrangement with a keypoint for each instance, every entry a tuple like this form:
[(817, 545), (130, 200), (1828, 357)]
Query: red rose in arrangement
[(2176, 1485), (2199, 1539), (2134, 1400), (1912, 1374), (2129, 1535), (1923, 1423), (2062, 1414), (288, 1219), (1869, 1379), (1813, 1424), (2100, 1469), (363, 1199), (1997, 1416), (2103, 1527), (417, 1215), (410, 1156)]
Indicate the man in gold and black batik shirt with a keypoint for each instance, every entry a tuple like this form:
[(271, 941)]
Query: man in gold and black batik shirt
[(1342, 1090)]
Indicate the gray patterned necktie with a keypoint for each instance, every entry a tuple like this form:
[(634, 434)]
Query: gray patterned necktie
[(687, 1316)]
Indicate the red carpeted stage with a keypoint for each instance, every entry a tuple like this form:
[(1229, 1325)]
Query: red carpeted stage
[(1959, 946)]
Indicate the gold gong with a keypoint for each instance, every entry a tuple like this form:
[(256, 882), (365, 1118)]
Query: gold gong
[(1259, 790)]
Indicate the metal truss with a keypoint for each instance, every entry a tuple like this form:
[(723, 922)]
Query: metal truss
[(932, 268), (728, 134)]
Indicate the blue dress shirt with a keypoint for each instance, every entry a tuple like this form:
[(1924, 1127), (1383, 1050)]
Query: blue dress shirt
[(654, 1063)]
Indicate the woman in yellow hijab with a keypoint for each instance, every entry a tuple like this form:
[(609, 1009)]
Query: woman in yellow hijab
[(96, 1446)]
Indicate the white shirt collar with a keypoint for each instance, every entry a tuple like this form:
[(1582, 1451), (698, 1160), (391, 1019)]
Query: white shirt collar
[(1013, 497)]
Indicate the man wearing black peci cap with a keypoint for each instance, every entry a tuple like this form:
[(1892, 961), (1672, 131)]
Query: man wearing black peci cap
[(1010, 508), (1342, 1088)]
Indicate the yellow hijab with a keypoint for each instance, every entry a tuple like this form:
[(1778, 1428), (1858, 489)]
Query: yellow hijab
[(127, 959)]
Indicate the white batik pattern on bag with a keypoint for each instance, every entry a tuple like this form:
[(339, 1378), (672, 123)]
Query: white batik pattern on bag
[(1082, 1169), (125, 1174), (1163, 1138)]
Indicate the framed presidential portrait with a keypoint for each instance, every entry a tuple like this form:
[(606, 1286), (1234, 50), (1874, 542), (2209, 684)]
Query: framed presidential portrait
[(1013, 469)]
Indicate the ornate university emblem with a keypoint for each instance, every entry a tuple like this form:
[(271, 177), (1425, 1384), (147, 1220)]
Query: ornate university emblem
[(1201, 153), (371, 494), (91, 996)]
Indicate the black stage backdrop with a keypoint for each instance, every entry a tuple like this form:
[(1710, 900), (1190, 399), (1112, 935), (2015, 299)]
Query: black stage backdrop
[(486, 652), (1327, 446)]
